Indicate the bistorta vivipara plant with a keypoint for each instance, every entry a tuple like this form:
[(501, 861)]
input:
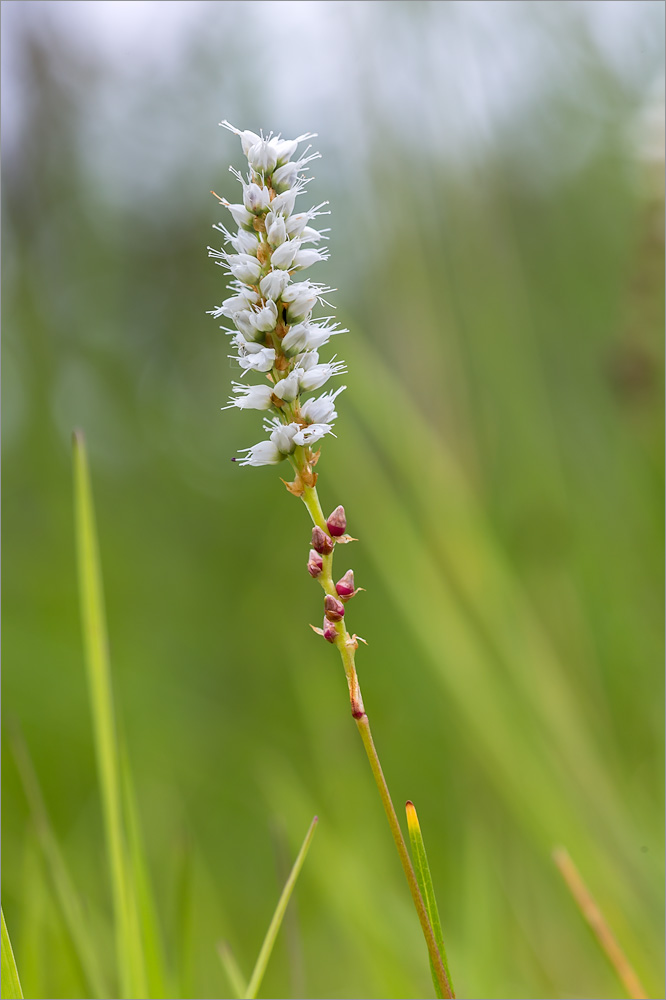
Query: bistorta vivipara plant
[(276, 337)]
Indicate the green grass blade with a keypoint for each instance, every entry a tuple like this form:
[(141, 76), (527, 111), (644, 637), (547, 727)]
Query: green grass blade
[(130, 959), (424, 878), (11, 985), (232, 969), (153, 950), (68, 899), (274, 927)]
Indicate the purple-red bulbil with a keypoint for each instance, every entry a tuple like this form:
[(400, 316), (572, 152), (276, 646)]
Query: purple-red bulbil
[(321, 542), (315, 563), (330, 631), (337, 522), (345, 585), (334, 608)]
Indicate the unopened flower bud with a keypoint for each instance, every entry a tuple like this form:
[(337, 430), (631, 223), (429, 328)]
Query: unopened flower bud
[(345, 585), (330, 631), (337, 522), (255, 198), (321, 542), (333, 608), (315, 563)]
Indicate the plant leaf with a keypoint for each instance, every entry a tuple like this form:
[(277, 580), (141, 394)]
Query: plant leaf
[(11, 985), (274, 926), (129, 953), (424, 878)]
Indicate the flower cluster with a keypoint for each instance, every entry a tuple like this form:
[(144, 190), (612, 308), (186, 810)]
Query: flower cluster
[(274, 334)]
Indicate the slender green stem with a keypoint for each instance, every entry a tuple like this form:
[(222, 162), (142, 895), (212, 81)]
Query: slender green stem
[(347, 645)]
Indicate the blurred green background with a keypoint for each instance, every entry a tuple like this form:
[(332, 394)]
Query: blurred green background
[(495, 174)]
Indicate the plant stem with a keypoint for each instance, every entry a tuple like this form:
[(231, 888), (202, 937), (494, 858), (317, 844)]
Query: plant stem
[(347, 645)]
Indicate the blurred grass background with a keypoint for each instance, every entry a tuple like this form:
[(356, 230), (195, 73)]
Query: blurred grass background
[(495, 172)]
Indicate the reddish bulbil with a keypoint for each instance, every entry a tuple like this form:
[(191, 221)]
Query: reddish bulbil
[(321, 542), (334, 608), (337, 522), (345, 585), (315, 563)]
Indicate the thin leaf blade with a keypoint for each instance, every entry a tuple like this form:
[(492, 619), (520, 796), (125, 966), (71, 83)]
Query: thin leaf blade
[(274, 926), (129, 954), (11, 984), (424, 878)]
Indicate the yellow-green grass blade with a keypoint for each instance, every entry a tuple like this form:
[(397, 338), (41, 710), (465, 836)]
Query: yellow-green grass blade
[(69, 901), (129, 954), (274, 926), (11, 985), (424, 878), (232, 969), (153, 950)]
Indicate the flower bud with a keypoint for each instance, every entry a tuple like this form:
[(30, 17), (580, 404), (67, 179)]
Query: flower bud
[(315, 563), (300, 299), (330, 631), (345, 585), (334, 609), (273, 284), (337, 522), (321, 542), (255, 198), (262, 156), (275, 229), (245, 268), (285, 177), (283, 256), (287, 388), (266, 318)]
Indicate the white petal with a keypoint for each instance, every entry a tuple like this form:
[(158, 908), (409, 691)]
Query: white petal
[(308, 435)]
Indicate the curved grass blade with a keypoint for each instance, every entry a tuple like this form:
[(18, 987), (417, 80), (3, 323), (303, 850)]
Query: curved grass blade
[(424, 878), (593, 916), (274, 926), (67, 896), (232, 969), (129, 953), (153, 951), (11, 985)]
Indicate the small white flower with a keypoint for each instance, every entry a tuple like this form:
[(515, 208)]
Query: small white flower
[(287, 388), (300, 298), (255, 198), (265, 319), (261, 361), (262, 155), (264, 453), (285, 177), (285, 149), (273, 284), (283, 436), (317, 376), (308, 435), (285, 202), (276, 230), (235, 304), (245, 242), (245, 267), (247, 138), (310, 235), (244, 322), (239, 214), (251, 397), (306, 258), (283, 256), (307, 360), (321, 410)]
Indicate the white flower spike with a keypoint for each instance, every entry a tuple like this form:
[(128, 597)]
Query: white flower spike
[(274, 334)]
